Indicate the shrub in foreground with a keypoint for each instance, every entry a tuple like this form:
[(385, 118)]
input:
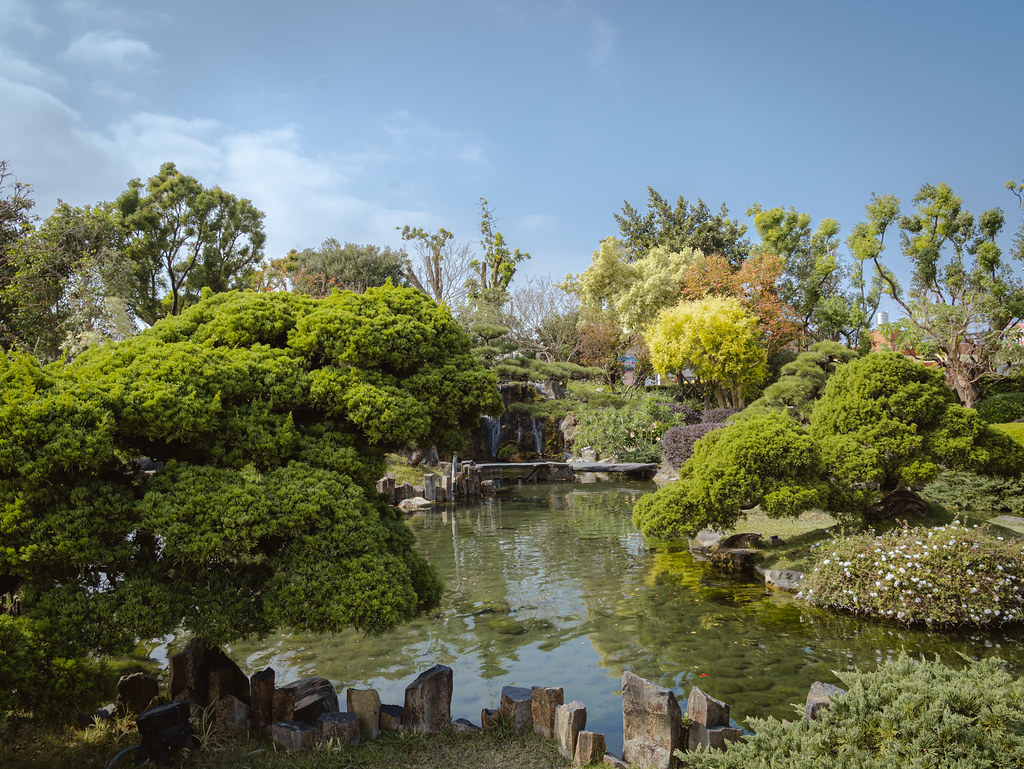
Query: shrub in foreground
[(947, 576), (906, 714)]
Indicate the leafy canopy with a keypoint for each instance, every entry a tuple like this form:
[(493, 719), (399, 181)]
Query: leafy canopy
[(266, 418)]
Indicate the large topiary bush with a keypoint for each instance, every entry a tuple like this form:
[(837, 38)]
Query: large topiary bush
[(267, 417), (905, 714)]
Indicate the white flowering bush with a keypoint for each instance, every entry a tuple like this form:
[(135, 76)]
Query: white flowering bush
[(947, 576)]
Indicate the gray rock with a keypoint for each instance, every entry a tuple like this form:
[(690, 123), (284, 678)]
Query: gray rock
[(734, 558), (610, 759), (365, 703), (430, 487), (589, 748), (819, 697), (517, 708), (706, 710), (490, 718), (414, 503), (190, 675), (464, 726), (311, 696), (135, 693), (340, 727), (787, 580), (652, 726), (703, 738), (391, 718), (544, 700), (261, 700), (744, 540), (570, 719), (292, 735), (708, 539), (231, 715), (428, 701)]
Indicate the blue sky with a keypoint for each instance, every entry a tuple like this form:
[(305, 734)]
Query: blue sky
[(348, 119)]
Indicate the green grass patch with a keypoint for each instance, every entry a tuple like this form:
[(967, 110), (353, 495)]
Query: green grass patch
[(406, 473), (798, 536), (1014, 429), (94, 747)]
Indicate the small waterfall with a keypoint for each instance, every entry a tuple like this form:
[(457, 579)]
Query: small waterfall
[(490, 430), (538, 436)]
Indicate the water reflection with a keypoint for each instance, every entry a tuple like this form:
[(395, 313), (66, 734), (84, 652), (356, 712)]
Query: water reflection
[(552, 585)]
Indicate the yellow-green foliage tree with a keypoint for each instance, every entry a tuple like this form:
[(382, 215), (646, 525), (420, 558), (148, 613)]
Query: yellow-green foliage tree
[(716, 339), (266, 418)]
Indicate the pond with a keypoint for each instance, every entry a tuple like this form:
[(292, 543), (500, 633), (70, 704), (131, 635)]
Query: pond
[(551, 585)]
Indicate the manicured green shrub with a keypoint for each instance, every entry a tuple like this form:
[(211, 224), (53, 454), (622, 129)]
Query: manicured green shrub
[(947, 576), (905, 714), (969, 491), (1002, 408)]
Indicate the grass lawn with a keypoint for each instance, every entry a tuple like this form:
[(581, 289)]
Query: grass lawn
[(94, 747)]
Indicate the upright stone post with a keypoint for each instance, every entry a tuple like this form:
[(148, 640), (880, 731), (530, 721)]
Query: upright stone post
[(652, 723), (517, 708), (365, 703), (569, 722), (543, 703), (261, 696), (589, 748), (430, 487), (428, 701), (709, 722)]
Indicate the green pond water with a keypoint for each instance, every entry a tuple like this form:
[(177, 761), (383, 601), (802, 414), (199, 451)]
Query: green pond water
[(551, 585)]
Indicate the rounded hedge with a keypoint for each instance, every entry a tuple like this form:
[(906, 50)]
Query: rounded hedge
[(999, 409)]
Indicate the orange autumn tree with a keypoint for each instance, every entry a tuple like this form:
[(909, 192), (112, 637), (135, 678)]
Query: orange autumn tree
[(754, 284)]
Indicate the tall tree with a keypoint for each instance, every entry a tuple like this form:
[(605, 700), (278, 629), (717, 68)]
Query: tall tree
[(680, 227), (496, 266), (347, 266), (964, 301), (16, 221), (183, 237), (441, 267), (812, 272)]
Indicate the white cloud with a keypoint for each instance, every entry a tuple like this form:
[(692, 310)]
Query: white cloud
[(147, 140), (602, 41), (412, 137), (109, 49)]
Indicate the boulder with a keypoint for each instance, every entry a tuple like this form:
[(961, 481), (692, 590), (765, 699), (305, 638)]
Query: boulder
[(819, 697), (340, 727), (652, 726), (569, 722), (261, 700), (428, 700), (734, 558), (517, 708), (365, 703), (744, 540), (786, 580), (292, 735), (708, 539), (610, 759), (589, 748), (391, 718), (464, 726), (414, 503), (543, 701), (706, 710), (490, 718), (702, 738), (310, 697), (135, 693), (231, 715), (190, 674)]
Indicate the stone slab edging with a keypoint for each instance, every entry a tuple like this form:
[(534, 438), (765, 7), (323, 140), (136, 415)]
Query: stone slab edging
[(301, 714)]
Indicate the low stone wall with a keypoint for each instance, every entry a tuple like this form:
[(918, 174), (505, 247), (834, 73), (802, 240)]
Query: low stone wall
[(300, 714), (467, 484)]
